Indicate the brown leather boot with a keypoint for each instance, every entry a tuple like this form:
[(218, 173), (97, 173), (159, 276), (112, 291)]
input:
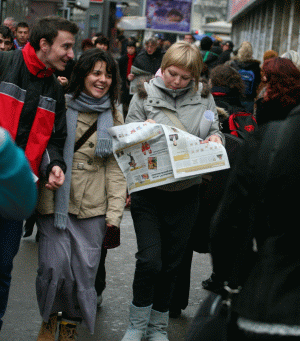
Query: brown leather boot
[(67, 331), (48, 330)]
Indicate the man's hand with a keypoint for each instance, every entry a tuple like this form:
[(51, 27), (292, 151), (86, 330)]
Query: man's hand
[(131, 77), (62, 80), (56, 178)]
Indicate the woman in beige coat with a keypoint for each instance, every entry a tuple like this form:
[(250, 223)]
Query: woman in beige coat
[(73, 221)]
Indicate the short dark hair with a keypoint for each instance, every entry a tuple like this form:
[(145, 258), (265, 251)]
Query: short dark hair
[(48, 28), (206, 43), (85, 66), (6, 33), (86, 43), (102, 40), (131, 44), (229, 44), (22, 24)]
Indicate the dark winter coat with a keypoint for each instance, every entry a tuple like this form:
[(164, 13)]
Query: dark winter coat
[(252, 65), (228, 100), (224, 57), (262, 207), (275, 110), (209, 58), (149, 62)]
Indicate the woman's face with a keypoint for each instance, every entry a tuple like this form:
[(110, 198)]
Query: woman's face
[(176, 78), (98, 81)]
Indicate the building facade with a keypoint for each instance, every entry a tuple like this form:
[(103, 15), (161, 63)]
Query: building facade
[(208, 11), (267, 24)]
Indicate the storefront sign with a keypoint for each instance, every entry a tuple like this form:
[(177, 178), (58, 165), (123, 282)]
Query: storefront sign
[(235, 7)]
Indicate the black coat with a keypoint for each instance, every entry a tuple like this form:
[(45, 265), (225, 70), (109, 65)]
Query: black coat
[(149, 62), (224, 57), (209, 58), (275, 110), (228, 100), (263, 207), (251, 65)]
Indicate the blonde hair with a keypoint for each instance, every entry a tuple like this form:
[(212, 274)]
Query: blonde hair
[(245, 51), (186, 56), (293, 56)]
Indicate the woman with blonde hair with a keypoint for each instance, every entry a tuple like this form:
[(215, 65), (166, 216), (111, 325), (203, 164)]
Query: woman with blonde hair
[(249, 69), (164, 216)]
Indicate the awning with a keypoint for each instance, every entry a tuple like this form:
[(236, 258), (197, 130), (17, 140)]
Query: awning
[(132, 23)]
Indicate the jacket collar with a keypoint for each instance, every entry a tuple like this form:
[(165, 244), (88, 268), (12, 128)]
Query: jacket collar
[(34, 64), (158, 81)]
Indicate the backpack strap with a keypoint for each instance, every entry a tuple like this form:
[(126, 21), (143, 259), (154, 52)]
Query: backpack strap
[(85, 136), (173, 118), (205, 56)]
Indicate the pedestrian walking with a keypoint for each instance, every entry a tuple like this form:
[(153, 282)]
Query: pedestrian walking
[(22, 35), (209, 58), (267, 306), (32, 109), (73, 221), (18, 196), (149, 59), (282, 93), (6, 39), (163, 217), (125, 64), (249, 69)]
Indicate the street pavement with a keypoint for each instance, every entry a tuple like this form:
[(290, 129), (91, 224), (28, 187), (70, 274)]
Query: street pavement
[(22, 320)]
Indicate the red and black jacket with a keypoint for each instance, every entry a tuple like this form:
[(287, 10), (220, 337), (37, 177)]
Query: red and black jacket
[(32, 107)]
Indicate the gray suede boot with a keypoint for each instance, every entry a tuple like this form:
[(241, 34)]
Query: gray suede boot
[(139, 319), (157, 326)]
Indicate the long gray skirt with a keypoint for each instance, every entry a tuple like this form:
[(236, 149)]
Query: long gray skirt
[(68, 264)]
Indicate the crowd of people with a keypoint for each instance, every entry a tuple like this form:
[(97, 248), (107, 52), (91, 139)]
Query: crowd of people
[(58, 171)]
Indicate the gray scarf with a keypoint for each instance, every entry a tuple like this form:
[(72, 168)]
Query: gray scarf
[(83, 103)]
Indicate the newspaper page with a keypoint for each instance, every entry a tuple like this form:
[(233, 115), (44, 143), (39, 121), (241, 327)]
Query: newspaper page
[(141, 76), (152, 155), (190, 156)]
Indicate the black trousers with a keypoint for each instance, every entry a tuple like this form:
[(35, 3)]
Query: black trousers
[(100, 282), (163, 222)]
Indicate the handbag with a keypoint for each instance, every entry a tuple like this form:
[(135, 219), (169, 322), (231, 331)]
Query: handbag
[(112, 238)]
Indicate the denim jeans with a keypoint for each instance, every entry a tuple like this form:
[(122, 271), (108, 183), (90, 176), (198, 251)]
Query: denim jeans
[(163, 222), (10, 237)]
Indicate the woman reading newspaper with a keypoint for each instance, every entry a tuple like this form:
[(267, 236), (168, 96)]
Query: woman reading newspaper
[(164, 216)]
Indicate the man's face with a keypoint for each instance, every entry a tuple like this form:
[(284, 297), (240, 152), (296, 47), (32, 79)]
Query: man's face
[(102, 47), (188, 38), (60, 52), (5, 43), (22, 35), (10, 25), (150, 48), (130, 50), (226, 47)]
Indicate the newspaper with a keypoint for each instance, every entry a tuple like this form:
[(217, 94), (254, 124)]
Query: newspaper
[(140, 76), (152, 155)]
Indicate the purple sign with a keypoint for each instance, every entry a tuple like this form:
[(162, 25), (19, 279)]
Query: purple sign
[(169, 16)]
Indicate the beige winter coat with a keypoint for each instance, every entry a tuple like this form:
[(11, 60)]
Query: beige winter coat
[(98, 186)]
